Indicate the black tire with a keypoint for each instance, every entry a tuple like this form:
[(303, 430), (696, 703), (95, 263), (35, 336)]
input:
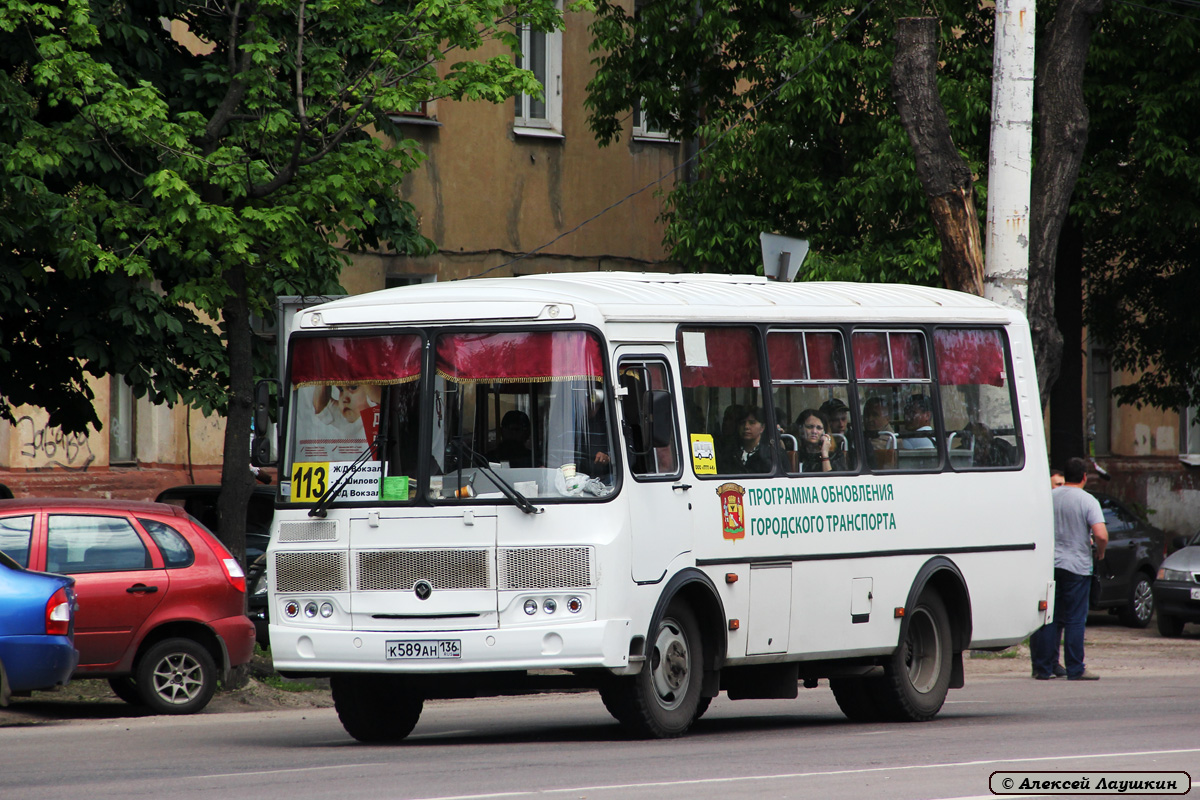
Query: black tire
[(126, 688), (176, 676), (1136, 613), (1169, 625), (856, 698), (917, 675), (663, 700), (376, 709)]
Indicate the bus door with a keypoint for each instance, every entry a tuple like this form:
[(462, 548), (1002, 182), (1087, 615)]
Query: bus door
[(659, 501)]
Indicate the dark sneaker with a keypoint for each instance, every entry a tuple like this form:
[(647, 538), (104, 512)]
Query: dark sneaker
[(1049, 677), (1060, 671), (1084, 676)]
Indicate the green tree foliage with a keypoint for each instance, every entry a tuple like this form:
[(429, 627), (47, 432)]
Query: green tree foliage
[(1138, 203), (791, 109), (149, 186)]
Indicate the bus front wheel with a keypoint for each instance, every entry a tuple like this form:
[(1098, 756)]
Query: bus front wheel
[(917, 675), (663, 700), (375, 708)]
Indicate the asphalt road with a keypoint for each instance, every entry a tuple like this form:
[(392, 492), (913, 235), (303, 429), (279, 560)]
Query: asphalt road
[(1141, 716)]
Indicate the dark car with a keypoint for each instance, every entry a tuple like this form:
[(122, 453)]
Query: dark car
[(200, 500), (1177, 589), (37, 615), (1126, 576), (160, 600)]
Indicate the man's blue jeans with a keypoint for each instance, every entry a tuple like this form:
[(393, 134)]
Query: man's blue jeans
[(1070, 618)]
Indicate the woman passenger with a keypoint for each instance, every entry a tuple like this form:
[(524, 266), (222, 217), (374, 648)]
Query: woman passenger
[(748, 453), (816, 445)]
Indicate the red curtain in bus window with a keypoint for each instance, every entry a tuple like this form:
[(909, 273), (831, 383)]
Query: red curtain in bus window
[(730, 353), (519, 357), (826, 360), (871, 360), (908, 355), (969, 357), (785, 355), (370, 360)]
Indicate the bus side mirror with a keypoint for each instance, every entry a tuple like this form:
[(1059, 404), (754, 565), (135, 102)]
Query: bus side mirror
[(660, 418), (260, 441)]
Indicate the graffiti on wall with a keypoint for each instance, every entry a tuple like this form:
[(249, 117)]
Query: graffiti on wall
[(51, 447)]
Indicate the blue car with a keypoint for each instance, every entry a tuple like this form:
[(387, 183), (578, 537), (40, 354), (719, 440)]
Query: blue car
[(37, 629)]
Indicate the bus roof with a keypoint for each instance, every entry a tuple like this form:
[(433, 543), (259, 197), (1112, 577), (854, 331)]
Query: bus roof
[(653, 297)]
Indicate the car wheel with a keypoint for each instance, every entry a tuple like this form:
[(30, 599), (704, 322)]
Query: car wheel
[(917, 675), (663, 700), (176, 676), (1136, 613), (1169, 625), (375, 709), (126, 688)]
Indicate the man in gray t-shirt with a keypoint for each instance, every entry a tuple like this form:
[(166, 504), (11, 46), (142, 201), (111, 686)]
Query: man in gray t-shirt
[(1078, 524)]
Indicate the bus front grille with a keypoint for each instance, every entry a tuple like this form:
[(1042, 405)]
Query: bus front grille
[(400, 570), (545, 568), (317, 530), (321, 571)]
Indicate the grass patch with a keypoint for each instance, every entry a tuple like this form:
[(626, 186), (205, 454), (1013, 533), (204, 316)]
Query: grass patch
[(283, 684)]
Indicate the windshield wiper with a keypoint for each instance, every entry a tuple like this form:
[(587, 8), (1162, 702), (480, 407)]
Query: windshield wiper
[(507, 489), (318, 510)]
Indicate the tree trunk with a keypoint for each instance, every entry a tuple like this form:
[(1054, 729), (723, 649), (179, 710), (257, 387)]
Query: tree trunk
[(1062, 135), (237, 482), (1067, 421), (943, 173)]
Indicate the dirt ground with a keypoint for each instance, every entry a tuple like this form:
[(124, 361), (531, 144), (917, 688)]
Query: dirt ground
[(1113, 651)]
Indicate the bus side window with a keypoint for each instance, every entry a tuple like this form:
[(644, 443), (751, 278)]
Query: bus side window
[(976, 399), (720, 372), (895, 387)]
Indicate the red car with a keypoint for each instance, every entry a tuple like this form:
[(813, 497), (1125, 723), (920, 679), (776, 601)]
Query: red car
[(162, 603)]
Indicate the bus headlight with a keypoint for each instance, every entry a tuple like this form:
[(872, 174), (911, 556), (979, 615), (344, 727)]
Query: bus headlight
[(574, 605), (291, 608), (531, 606), (550, 606), (310, 609)]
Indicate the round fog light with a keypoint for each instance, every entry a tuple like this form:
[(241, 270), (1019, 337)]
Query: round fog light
[(326, 610), (291, 608), (531, 607), (550, 606), (310, 609), (574, 605)]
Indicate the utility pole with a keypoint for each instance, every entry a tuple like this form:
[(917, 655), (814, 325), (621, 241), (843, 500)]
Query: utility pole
[(1010, 163)]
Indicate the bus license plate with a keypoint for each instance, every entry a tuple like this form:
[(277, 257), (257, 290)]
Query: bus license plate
[(439, 648)]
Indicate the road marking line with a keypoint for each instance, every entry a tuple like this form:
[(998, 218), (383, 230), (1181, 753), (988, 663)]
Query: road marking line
[(740, 779)]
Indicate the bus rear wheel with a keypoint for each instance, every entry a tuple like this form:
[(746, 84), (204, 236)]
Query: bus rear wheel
[(375, 709), (663, 700), (917, 675), (856, 698)]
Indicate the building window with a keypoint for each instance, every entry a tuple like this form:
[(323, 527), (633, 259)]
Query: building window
[(644, 127), (1189, 439), (541, 54)]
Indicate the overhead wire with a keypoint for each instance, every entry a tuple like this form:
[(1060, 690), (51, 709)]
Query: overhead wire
[(745, 115)]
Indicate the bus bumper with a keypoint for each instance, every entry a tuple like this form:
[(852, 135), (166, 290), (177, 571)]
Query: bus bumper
[(582, 645)]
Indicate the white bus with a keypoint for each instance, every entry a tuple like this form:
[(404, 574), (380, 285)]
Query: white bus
[(513, 485)]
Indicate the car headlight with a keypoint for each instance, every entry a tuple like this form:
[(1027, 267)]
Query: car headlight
[(1179, 575)]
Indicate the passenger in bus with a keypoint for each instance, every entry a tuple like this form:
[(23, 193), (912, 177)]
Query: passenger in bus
[(749, 453), (817, 452), (881, 439), (987, 450), (838, 414), (918, 413), (513, 448)]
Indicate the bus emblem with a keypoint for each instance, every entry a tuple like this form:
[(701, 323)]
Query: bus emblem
[(733, 510)]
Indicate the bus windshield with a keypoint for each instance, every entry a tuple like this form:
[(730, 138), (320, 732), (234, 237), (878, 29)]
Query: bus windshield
[(525, 409)]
